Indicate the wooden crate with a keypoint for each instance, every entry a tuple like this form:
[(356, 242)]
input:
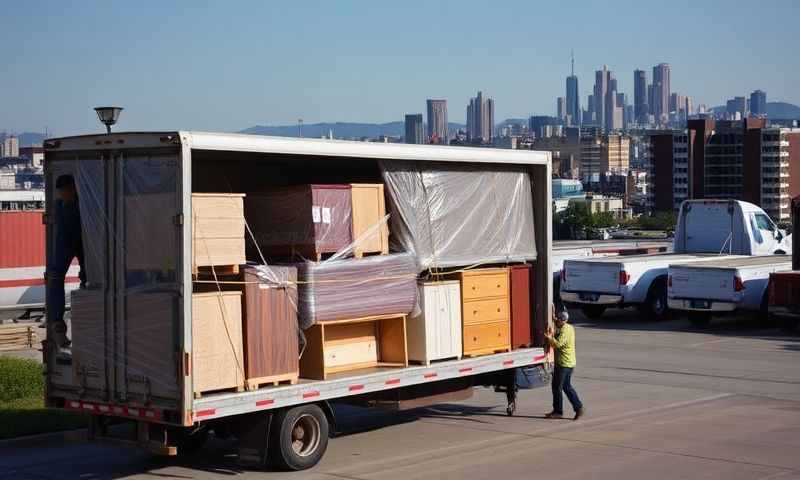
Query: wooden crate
[(369, 209), (304, 220), (217, 359), (218, 230), (345, 345), (520, 291), (436, 333), (90, 350), (17, 337), (271, 338), (485, 311)]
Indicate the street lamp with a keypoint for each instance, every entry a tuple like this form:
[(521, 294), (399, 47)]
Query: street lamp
[(108, 116)]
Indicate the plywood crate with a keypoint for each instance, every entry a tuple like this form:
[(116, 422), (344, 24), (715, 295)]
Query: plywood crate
[(485, 310), (218, 230), (354, 344), (435, 333), (271, 341), (217, 359), (369, 210), (302, 220)]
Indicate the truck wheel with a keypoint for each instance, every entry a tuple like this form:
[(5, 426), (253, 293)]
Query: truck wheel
[(301, 437), (699, 319), (655, 306), (593, 311)]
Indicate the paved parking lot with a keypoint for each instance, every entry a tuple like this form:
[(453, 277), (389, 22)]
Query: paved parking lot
[(664, 401)]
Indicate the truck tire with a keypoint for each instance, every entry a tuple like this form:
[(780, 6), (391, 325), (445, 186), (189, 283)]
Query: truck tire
[(699, 319), (593, 311), (300, 437), (655, 305)]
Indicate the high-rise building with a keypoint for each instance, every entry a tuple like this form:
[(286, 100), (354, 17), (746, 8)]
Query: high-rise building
[(758, 102), (480, 119), (437, 121), (561, 108), (573, 98), (602, 78), (736, 105), (11, 146), (640, 96), (742, 159), (661, 91), (600, 154), (415, 132)]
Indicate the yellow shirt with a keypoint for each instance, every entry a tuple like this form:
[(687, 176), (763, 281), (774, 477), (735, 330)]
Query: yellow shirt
[(565, 346)]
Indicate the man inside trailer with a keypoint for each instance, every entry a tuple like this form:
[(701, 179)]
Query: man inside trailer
[(68, 246)]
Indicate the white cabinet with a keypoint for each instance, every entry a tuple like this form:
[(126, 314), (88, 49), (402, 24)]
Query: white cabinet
[(435, 334)]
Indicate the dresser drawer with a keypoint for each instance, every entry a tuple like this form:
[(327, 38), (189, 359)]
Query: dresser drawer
[(488, 310), (486, 336), (486, 285)]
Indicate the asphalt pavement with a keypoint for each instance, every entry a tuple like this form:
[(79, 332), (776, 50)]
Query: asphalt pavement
[(663, 401)]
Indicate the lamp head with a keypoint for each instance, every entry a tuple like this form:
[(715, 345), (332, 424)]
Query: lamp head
[(108, 116)]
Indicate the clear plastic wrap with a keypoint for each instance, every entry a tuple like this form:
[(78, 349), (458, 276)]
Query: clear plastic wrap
[(451, 215), (354, 288), (305, 220)]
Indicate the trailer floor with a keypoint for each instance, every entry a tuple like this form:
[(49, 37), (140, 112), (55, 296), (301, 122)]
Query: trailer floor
[(663, 401)]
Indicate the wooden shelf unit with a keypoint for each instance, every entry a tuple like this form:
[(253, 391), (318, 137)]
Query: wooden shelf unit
[(485, 303), (353, 344), (369, 208)]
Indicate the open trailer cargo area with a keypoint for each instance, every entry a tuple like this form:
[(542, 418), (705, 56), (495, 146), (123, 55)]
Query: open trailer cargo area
[(234, 275)]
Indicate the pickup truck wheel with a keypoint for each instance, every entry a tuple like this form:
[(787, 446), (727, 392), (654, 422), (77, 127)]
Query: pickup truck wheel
[(301, 437), (655, 306), (593, 311), (699, 319)]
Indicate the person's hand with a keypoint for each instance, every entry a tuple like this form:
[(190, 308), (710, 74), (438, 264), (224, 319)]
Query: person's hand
[(549, 332)]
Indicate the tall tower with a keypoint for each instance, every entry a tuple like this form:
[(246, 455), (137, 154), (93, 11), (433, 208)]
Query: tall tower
[(437, 121), (602, 79), (661, 91), (573, 99), (640, 96)]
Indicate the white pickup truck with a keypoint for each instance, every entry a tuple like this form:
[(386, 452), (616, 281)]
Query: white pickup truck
[(724, 285), (706, 229)]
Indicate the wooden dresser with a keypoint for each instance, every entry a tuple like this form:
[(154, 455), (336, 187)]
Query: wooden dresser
[(520, 288), (435, 333), (485, 310)]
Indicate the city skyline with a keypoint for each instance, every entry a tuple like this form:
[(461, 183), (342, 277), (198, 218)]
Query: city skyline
[(350, 62)]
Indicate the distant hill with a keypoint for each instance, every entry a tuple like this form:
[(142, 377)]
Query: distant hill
[(26, 139), (776, 110), (340, 129)]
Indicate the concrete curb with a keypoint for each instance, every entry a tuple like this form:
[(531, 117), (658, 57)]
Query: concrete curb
[(79, 435)]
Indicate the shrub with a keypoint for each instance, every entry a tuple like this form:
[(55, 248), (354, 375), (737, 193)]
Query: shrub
[(20, 378)]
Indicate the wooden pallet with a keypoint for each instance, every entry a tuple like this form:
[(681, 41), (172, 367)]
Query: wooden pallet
[(488, 351), (17, 337), (428, 363), (219, 270), (360, 254), (273, 381), (237, 389)]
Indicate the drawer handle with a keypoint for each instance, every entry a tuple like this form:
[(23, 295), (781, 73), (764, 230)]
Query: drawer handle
[(498, 309), (474, 339), (499, 334), (498, 285), (474, 287), (474, 312)]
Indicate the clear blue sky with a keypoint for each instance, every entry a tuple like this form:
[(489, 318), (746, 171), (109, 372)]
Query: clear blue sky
[(229, 65)]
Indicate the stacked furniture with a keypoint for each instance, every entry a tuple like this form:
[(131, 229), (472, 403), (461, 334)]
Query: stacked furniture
[(353, 344), (370, 229), (217, 360), (270, 325), (218, 228), (436, 333), (520, 290), (306, 220), (485, 311)]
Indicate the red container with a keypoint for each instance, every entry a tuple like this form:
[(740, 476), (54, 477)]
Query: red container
[(22, 239), (521, 283)]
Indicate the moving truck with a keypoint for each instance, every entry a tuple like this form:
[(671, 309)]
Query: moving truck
[(143, 366), (784, 287), (706, 229), (723, 285)]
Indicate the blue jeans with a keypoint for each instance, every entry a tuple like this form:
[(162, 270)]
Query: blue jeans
[(57, 271), (562, 381)]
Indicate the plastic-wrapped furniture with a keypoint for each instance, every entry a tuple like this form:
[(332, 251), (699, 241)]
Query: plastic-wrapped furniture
[(270, 325), (217, 361), (435, 334), (370, 231), (305, 220), (218, 231)]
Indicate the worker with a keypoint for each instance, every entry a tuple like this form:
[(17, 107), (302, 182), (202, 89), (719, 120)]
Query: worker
[(563, 341), (68, 246)]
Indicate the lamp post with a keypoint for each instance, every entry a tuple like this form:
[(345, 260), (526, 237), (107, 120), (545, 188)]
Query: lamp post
[(108, 116)]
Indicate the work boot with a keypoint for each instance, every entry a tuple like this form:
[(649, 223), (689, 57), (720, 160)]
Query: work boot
[(579, 413), (554, 415)]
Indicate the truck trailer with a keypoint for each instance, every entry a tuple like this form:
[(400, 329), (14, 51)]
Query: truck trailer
[(144, 347)]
